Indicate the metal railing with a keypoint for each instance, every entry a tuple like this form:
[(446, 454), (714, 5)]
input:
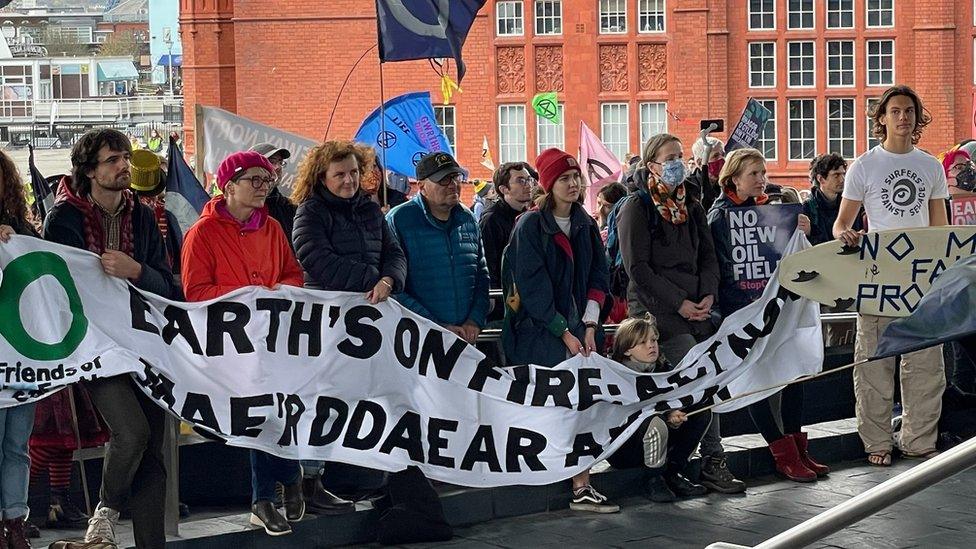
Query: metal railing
[(93, 109), (859, 507), (494, 335)]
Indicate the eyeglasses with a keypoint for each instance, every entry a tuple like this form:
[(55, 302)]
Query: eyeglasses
[(257, 181), (522, 180), (453, 178)]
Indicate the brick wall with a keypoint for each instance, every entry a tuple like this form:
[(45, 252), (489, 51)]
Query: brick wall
[(283, 63)]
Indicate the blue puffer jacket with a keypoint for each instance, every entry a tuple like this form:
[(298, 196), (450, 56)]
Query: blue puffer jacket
[(447, 277), (555, 277)]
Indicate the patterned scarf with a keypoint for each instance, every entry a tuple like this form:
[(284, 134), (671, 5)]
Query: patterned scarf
[(94, 233), (670, 205)]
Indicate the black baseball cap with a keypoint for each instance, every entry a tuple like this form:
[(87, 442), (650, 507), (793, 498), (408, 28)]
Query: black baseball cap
[(436, 166)]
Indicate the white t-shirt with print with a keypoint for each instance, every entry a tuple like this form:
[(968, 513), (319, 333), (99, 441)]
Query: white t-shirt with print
[(895, 188)]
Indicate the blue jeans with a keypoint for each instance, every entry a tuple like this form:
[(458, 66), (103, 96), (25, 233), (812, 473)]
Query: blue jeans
[(311, 467), (266, 470), (16, 424)]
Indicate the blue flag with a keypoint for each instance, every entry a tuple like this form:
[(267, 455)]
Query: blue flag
[(411, 131), (43, 197), (944, 314), (426, 29), (185, 196)]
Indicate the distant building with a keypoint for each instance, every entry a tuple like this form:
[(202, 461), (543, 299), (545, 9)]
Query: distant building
[(166, 47)]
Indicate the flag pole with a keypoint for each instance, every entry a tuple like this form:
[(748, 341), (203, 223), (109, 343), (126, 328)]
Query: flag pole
[(382, 140), (343, 88)]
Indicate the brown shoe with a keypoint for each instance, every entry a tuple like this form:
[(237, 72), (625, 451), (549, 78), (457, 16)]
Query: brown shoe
[(16, 534), (81, 544)]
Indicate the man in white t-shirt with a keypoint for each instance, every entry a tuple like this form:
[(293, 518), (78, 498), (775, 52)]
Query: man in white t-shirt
[(900, 187)]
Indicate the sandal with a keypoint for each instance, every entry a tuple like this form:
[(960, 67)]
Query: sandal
[(880, 459), (921, 457)]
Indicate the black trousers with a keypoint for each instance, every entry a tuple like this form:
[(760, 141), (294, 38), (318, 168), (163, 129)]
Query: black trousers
[(681, 443), (790, 411), (133, 473)]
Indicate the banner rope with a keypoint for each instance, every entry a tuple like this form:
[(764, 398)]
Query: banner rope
[(797, 380)]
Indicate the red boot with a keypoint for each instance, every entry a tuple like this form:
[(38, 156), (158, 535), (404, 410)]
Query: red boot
[(801, 445), (788, 463)]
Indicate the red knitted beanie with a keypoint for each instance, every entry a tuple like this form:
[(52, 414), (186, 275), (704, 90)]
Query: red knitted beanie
[(551, 163)]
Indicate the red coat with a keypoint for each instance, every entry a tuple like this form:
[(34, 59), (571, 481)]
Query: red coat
[(220, 254), (53, 426)]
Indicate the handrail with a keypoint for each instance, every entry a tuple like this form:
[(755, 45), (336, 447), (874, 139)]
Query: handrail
[(492, 335), (859, 507)]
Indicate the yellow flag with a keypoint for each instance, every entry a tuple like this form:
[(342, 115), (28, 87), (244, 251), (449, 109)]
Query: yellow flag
[(447, 88)]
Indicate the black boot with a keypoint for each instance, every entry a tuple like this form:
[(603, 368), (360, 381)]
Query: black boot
[(264, 514), (657, 490), (683, 487), (63, 513), (294, 502), (323, 502)]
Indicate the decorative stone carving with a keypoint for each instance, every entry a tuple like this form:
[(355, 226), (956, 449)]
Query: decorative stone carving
[(510, 70), (549, 68), (613, 68), (652, 65)]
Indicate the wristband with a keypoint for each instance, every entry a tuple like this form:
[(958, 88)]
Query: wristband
[(591, 325), (388, 285)]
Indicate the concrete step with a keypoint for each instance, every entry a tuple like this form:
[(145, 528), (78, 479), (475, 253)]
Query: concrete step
[(748, 457)]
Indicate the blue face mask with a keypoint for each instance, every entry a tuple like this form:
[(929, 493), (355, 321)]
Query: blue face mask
[(673, 173)]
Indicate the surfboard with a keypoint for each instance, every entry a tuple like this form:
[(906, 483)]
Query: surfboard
[(886, 275)]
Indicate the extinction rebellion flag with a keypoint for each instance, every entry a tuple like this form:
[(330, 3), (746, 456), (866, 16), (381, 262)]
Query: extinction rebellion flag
[(410, 29), (307, 374)]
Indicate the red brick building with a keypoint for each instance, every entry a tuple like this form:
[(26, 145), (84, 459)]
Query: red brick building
[(627, 68)]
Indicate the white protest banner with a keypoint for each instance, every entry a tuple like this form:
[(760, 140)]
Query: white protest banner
[(324, 375), (225, 133)]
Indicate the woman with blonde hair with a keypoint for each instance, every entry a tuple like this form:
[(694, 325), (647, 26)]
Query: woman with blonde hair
[(743, 182)]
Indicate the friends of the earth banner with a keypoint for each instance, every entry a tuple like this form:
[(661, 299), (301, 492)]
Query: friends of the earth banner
[(325, 375)]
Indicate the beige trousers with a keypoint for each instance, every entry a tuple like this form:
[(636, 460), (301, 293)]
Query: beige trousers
[(922, 383)]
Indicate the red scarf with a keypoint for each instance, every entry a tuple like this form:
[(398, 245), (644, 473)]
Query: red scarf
[(94, 234), (730, 193)]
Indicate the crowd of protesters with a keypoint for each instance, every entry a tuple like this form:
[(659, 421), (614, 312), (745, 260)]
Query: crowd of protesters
[(655, 255)]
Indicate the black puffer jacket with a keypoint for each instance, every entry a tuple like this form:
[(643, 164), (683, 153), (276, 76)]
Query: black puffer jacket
[(345, 244), (20, 227), (281, 209)]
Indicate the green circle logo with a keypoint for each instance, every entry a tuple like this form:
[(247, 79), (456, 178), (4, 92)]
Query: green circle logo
[(19, 274)]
